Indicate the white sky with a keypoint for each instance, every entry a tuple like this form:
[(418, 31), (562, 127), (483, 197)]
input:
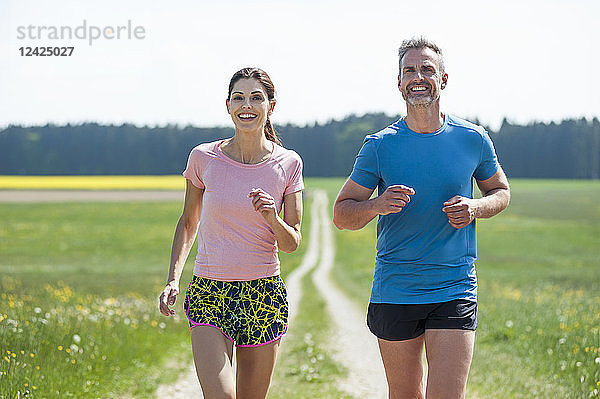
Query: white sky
[(523, 60)]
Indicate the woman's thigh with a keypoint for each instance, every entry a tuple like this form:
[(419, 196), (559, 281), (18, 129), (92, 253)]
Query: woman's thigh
[(254, 370), (213, 354)]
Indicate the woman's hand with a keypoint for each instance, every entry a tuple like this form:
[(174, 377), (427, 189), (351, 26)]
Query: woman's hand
[(264, 203), (168, 298)]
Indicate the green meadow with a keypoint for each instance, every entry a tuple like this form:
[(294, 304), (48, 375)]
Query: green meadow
[(79, 284)]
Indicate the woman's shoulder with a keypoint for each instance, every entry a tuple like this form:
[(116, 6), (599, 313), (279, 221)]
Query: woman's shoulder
[(286, 155), (207, 148), (205, 151)]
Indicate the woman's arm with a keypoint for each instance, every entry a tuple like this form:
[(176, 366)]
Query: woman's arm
[(185, 234), (287, 230)]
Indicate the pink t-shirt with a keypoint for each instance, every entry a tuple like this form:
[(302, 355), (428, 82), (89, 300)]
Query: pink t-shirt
[(234, 241)]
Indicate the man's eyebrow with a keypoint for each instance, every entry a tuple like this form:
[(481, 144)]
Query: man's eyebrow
[(237, 92), (256, 91)]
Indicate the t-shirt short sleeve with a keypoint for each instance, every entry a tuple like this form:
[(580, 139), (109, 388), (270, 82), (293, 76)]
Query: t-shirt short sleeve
[(193, 170), (294, 171), (366, 170), (488, 162)]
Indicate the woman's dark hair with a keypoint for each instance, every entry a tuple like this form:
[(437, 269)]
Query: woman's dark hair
[(265, 80)]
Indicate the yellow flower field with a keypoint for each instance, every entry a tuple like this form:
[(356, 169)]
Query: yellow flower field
[(164, 182)]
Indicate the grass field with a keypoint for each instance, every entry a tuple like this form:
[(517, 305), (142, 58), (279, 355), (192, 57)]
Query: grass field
[(79, 282)]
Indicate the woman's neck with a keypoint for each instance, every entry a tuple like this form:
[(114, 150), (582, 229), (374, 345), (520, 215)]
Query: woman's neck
[(246, 147)]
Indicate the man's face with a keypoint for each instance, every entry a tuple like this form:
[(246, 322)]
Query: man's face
[(420, 80)]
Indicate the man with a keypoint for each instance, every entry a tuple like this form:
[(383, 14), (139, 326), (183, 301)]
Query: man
[(424, 287)]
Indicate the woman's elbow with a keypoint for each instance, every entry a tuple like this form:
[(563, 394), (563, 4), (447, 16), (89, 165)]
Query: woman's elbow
[(291, 246), (189, 224)]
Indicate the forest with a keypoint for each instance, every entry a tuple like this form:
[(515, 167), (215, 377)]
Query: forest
[(569, 149)]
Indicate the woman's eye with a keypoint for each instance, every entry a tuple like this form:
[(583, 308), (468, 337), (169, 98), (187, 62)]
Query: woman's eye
[(257, 98)]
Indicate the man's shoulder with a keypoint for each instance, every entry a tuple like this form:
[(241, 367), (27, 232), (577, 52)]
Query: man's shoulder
[(386, 132), (459, 123)]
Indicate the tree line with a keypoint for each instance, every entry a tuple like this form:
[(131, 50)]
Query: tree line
[(570, 149)]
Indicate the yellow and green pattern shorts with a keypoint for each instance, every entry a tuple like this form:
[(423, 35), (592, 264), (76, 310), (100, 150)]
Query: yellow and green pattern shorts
[(249, 313)]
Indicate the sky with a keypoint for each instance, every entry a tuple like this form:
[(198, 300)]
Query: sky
[(521, 60)]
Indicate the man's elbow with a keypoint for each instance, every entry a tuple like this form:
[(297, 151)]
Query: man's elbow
[(337, 220)]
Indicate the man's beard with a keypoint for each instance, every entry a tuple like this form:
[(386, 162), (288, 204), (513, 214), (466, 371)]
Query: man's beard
[(420, 101)]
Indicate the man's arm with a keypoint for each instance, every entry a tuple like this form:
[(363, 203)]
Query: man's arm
[(353, 209), (495, 198)]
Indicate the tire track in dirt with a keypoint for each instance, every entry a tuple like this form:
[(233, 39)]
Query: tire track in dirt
[(352, 343)]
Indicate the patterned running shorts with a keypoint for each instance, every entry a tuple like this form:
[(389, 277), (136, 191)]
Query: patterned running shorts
[(249, 313)]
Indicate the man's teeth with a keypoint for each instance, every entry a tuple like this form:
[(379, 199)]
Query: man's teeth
[(419, 88), (247, 116)]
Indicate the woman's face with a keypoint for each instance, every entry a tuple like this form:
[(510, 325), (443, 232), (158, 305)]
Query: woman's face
[(249, 105)]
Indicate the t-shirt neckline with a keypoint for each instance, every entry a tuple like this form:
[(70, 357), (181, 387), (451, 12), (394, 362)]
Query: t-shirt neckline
[(224, 156), (424, 135)]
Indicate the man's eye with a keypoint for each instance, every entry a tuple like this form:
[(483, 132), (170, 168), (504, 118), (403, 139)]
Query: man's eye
[(257, 98), (238, 98)]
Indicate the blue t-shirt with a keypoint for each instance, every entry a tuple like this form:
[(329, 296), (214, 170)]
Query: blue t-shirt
[(421, 258)]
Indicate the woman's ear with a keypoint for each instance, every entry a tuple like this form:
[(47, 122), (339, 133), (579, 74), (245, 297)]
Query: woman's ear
[(272, 106), (227, 105)]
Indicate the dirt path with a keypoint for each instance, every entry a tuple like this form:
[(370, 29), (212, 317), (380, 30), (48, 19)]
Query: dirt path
[(352, 343)]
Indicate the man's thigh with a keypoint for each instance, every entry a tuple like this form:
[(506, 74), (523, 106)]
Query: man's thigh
[(403, 365), (449, 353)]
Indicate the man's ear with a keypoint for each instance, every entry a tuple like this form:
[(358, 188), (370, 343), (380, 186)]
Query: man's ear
[(444, 81)]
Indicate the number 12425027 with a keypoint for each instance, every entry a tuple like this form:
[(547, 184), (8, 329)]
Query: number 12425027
[(46, 51)]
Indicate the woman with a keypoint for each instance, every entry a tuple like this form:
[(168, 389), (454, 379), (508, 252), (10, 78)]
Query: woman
[(235, 191)]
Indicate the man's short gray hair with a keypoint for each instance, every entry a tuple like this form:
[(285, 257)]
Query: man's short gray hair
[(419, 43)]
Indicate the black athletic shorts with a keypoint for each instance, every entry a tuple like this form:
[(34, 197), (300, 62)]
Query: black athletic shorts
[(401, 322)]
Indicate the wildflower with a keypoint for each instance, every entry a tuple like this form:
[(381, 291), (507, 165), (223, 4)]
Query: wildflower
[(23, 352), (7, 359), (26, 384), (76, 338), (13, 355), (597, 360), (60, 347), (37, 367), (68, 350), (34, 387), (37, 310), (31, 355)]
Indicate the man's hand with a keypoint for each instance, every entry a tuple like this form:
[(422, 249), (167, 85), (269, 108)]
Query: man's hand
[(460, 211), (393, 199)]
